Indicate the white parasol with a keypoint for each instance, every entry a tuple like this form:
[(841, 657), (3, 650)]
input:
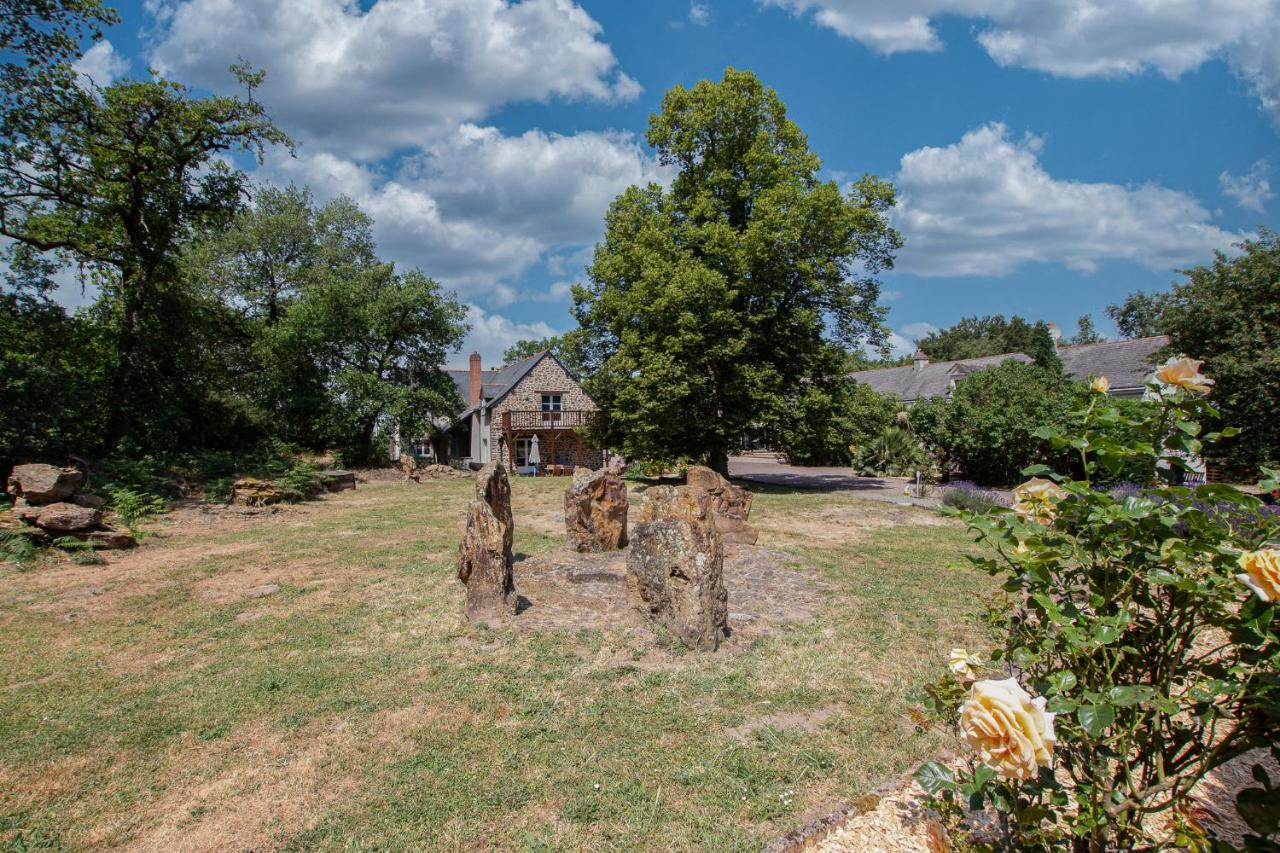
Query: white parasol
[(534, 459)]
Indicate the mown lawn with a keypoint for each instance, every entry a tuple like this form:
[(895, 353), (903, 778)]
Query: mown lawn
[(172, 700)]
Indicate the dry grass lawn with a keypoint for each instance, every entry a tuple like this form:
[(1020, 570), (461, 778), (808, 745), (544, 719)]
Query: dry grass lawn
[(306, 681)]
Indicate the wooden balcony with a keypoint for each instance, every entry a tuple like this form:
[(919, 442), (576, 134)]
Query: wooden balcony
[(535, 420)]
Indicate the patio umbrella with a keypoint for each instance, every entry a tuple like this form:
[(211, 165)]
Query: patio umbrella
[(534, 459)]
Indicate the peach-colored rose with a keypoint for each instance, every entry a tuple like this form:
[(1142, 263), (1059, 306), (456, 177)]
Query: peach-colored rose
[(1100, 385), (1183, 373), (1011, 732), (1261, 573), (1035, 499)]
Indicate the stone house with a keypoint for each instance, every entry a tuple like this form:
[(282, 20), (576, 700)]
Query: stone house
[(530, 413)]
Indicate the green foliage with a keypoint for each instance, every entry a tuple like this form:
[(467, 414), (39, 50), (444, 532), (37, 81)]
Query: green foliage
[(301, 482), (895, 452), (710, 302), (1126, 614), (1086, 332), (828, 422), (132, 506), (987, 431), (977, 337), (1227, 314), (18, 548)]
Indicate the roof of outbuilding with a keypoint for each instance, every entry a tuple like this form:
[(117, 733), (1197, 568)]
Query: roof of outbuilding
[(1127, 364)]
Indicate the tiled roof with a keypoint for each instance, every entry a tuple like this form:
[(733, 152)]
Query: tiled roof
[(495, 383), (933, 380), (1126, 363)]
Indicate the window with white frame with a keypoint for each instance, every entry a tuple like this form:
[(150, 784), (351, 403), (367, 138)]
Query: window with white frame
[(522, 452), (550, 402)]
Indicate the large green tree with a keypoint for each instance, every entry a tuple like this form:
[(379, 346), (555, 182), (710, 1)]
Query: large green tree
[(116, 180), (1227, 314), (565, 347), (709, 303)]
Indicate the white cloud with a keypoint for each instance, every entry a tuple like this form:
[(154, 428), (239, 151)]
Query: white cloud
[(370, 81), (1251, 190), (102, 64), (699, 14), (491, 334), (1079, 38), (916, 331), (479, 208), (985, 206)]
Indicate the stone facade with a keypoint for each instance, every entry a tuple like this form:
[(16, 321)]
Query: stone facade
[(546, 377)]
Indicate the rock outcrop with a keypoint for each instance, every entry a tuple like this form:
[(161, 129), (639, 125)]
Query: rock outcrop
[(336, 480), (44, 484), (728, 504), (48, 503), (675, 577), (250, 491), (595, 511), (484, 557)]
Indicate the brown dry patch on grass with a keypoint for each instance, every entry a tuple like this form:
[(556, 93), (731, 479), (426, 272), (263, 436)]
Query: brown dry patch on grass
[(848, 522), (805, 721)]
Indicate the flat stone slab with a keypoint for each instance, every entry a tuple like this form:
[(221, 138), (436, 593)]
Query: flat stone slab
[(565, 591)]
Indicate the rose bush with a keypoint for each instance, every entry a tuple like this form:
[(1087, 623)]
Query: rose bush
[(1138, 641)]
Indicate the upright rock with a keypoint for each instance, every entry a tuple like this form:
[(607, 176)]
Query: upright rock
[(675, 576), (706, 495), (484, 558), (595, 510), (44, 484)]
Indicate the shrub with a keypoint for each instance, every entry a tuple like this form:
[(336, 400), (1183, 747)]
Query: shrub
[(1133, 654), (965, 494), (827, 425), (302, 481), (18, 548), (133, 506), (895, 452)]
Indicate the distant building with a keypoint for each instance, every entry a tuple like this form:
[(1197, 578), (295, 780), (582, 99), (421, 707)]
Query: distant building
[(528, 413), (1126, 364)]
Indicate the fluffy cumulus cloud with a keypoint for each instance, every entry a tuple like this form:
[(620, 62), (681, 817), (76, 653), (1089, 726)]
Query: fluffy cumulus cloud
[(491, 334), (479, 208), (1079, 38), (1252, 190), (372, 80), (985, 206), (102, 63)]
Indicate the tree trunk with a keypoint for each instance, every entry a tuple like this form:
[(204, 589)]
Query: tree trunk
[(718, 460)]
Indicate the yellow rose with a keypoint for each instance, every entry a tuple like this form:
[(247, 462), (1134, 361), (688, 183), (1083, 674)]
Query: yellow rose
[(1034, 499), (1100, 385), (1261, 573), (1020, 549), (1011, 732), (962, 663), (1184, 373)]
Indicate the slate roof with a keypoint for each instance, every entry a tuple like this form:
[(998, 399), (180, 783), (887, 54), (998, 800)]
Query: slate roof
[(1126, 363), (495, 383)]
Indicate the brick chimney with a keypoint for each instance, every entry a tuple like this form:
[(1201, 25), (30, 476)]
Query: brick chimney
[(919, 361), (477, 380)]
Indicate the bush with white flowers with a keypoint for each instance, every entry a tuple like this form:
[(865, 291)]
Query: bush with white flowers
[(1138, 642)]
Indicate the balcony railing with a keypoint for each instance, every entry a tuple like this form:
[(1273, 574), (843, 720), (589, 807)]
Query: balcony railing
[(518, 420)]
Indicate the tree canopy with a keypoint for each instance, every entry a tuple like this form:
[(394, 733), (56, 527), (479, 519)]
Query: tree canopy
[(977, 337), (1228, 314), (709, 303)]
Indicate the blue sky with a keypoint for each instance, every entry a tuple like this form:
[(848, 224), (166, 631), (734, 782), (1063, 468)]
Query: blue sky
[(1051, 155)]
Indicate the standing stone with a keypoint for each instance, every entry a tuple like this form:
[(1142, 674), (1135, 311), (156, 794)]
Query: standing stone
[(44, 484), (595, 511), (484, 558), (675, 576), (707, 495)]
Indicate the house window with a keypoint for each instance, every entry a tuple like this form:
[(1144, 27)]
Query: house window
[(550, 402), (423, 450), (522, 452)]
